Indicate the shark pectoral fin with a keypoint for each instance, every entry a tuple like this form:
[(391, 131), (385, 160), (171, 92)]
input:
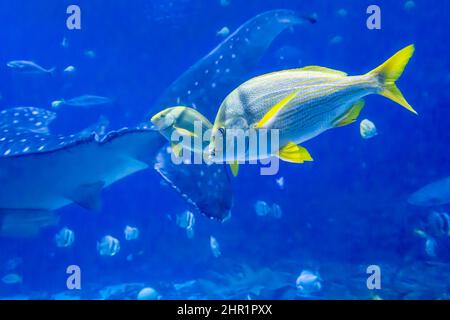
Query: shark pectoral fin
[(177, 149), (324, 69), (351, 114), (292, 152), (234, 166), (22, 223), (88, 196), (275, 110)]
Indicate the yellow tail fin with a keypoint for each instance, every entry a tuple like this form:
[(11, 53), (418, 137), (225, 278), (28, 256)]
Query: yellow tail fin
[(390, 71)]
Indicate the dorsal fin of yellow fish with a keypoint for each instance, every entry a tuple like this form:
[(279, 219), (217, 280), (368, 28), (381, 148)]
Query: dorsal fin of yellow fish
[(185, 132), (324, 69), (177, 149), (275, 110), (292, 152), (389, 72), (234, 166), (351, 114)]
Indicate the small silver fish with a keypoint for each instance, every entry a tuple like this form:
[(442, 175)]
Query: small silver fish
[(64, 238), (29, 67), (186, 220), (148, 294), (215, 247), (367, 129), (280, 182), (277, 212), (12, 278), (131, 233), (86, 100), (90, 54), (108, 246), (13, 263), (308, 282), (70, 70), (430, 247), (261, 208), (224, 32), (65, 43)]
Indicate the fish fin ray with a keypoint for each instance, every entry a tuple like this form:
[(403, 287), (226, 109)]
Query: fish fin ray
[(292, 152), (177, 149), (351, 114), (185, 132), (324, 69), (275, 110), (234, 166)]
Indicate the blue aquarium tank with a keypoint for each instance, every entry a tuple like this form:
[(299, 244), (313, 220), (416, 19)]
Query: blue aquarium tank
[(224, 150)]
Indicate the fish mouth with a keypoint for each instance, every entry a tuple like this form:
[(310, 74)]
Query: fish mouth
[(161, 121)]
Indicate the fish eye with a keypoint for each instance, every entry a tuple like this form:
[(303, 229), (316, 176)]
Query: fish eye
[(222, 131)]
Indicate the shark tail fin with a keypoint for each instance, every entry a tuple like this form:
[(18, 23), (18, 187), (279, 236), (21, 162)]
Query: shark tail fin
[(23, 223)]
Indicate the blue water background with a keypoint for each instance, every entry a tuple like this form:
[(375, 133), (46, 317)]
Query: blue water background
[(347, 207)]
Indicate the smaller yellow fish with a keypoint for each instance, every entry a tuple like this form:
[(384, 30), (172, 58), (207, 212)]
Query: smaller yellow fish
[(183, 121), (420, 233)]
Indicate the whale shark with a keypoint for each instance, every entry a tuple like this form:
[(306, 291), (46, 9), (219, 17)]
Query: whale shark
[(41, 172)]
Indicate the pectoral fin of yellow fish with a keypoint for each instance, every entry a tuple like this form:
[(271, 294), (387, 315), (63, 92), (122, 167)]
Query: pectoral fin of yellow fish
[(234, 166), (271, 115), (292, 152), (323, 69), (351, 114), (185, 132), (177, 149)]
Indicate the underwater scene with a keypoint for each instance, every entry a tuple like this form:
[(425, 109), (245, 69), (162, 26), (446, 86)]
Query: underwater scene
[(224, 149)]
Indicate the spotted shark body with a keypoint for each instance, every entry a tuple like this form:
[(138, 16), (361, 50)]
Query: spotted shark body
[(41, 172)]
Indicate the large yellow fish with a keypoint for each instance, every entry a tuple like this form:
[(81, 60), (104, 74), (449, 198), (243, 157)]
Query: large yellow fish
[(302, 103)]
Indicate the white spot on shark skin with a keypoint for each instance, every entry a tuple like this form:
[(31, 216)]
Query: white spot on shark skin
[(189, 92), (206, 71), (213, 85), (7, 152), (227, 70), (41, 148), (3, 139), (26, 149), (233, 56), (216, 62), (196, 83), (16, 121)]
